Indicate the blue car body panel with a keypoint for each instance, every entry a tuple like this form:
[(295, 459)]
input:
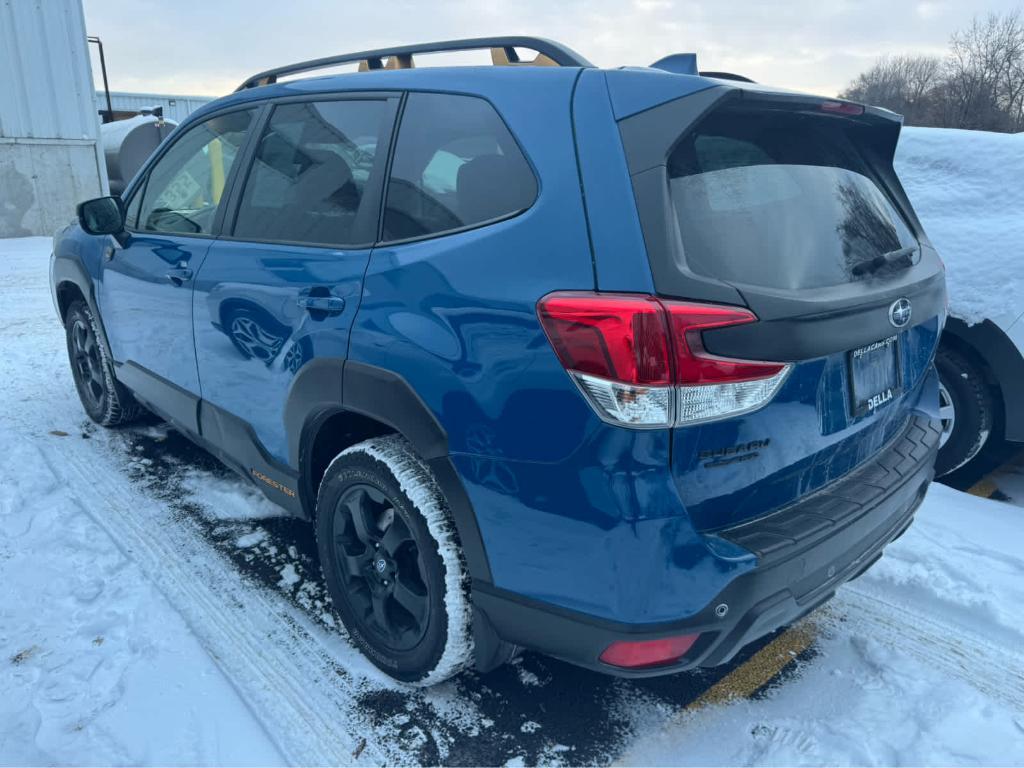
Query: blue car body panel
[(635, 90), (262, 284), (620, 258), (617, 524)]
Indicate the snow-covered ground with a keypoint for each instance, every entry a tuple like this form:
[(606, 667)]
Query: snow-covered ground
[(155, 610), (968, 190)]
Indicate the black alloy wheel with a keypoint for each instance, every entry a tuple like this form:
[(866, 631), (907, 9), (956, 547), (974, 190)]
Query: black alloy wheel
[(87, 364), (392, 562), (379, 563), (104, 399)]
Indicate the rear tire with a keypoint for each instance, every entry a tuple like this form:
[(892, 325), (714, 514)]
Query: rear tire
[(966, 409), (104, 399), (392, 562)]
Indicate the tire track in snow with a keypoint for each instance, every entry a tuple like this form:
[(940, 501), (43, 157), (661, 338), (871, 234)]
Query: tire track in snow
[(993, 669), (253, 636)]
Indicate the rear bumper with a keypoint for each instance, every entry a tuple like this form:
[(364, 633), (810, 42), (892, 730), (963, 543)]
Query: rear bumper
[(804, 552)]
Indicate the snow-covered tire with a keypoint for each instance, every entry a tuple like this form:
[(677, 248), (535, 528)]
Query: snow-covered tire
[(105, 400), (385, 484), (969, 423)]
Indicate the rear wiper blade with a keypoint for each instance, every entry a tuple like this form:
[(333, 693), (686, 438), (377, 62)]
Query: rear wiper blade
[(884, 259)]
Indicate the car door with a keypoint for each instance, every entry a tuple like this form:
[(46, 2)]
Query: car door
[(145, 290), (283, 284)]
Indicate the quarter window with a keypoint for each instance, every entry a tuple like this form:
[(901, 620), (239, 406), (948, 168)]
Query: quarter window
[(313, 169), (186, 185), (456, 165)]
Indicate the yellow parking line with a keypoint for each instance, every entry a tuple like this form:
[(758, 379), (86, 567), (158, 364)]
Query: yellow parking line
[(984, 488), (764, 665)]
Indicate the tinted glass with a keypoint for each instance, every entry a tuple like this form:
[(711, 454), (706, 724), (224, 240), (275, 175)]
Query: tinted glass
[(131, 216), (781, 200), (185, 186), (311, 173), (456, 165)]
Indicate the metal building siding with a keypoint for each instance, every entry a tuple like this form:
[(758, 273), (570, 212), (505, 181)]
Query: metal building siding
[(46, 90), (133, 102)]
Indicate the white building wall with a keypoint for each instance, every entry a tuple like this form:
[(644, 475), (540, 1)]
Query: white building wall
[(49, 156), (176, 108)]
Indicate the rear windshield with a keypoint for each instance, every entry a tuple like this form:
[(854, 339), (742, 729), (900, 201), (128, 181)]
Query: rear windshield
[(781, 200)]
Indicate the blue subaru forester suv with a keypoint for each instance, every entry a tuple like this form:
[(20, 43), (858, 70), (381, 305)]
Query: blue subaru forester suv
[(630, 367)]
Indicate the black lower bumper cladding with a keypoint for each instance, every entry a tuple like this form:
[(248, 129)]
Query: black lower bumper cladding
[(805, 552)]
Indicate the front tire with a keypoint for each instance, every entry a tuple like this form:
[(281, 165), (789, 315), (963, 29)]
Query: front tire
[(965, 407), (392, 562), (104, 399)]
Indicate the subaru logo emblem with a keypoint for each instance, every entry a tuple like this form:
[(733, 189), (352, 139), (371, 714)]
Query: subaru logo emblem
[(899, 312)]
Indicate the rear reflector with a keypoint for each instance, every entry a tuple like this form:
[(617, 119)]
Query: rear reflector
[(641, 361), (647, 653)]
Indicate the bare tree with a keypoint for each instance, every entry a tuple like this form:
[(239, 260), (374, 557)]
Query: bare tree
[(979, 85), (986, 74), (904, 84)]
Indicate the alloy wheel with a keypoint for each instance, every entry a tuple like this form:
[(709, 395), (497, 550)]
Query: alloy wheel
[(88, 363), (947, 414), (378, 560)]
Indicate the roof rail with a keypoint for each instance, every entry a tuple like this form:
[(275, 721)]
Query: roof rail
[(503, 52)]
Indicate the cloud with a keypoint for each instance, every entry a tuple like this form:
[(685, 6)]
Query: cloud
[(203, 47)]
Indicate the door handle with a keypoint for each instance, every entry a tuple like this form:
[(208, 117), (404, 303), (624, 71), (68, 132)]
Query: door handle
[(332, 305), (178, 275)]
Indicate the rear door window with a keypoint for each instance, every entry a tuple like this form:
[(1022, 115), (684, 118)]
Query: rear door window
[(314, 172), (781, 200), (456, 165)]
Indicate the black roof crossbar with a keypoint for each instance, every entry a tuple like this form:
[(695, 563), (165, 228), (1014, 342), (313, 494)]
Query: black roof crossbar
[(400, 57)]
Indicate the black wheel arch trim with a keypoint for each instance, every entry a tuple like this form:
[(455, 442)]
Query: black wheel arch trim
[(325, 387), (68, 270), (1004, 363)]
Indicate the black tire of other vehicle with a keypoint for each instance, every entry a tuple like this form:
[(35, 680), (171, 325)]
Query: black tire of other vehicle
[(383, 524), (104, 399), (972, 406)]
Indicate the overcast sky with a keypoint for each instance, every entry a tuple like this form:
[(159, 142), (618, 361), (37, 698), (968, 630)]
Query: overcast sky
[(209, 46)]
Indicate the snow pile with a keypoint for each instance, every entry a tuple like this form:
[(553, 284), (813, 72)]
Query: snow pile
[(968, 190)]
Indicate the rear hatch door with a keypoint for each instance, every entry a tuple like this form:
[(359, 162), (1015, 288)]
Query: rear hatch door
[(788, 205)]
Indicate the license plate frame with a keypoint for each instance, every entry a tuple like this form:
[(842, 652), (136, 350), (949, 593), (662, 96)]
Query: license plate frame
[(878, 369)]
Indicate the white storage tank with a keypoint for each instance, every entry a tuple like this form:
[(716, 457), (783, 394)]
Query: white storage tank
[(127, 144)]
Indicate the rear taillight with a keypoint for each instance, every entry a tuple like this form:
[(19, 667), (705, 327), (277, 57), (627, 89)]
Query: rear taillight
[(639, 654), (710, 387), (641, 361), (617, 349)]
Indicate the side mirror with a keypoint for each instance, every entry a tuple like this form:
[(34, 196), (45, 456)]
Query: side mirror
[(102, 216)]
